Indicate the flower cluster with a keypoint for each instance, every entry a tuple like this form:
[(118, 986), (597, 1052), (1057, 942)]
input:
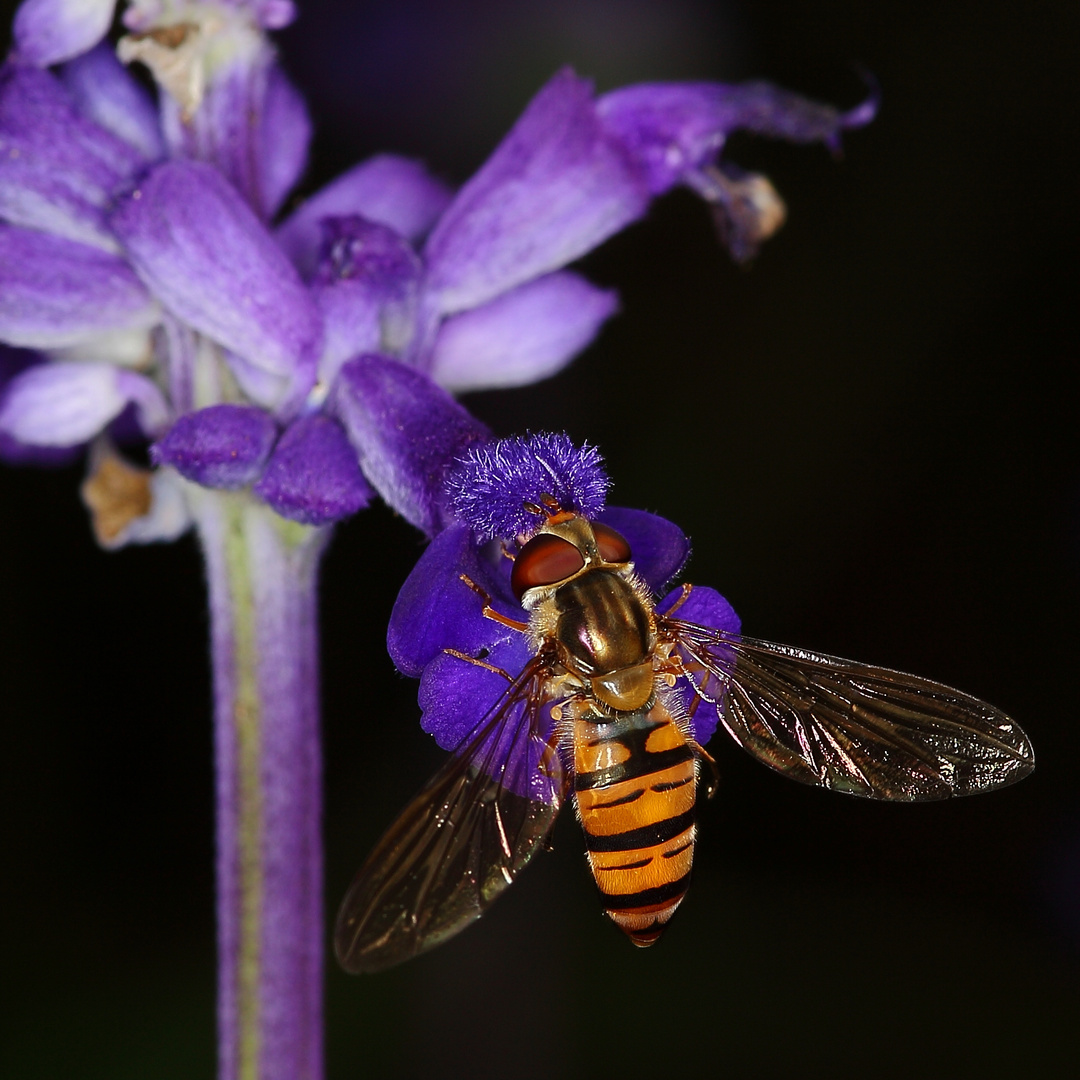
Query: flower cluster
[(146, 290), (287, 369)]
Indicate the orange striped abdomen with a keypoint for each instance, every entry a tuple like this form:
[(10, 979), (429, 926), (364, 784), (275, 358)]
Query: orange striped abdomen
[(635, 779)]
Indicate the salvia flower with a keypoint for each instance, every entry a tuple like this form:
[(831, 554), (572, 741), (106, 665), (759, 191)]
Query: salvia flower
[(438, 618), (284, 372)]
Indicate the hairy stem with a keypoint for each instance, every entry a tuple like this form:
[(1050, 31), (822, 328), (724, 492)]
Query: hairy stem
[(262, 574)]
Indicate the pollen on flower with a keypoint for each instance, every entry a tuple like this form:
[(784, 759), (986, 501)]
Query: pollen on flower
[(491, 485)]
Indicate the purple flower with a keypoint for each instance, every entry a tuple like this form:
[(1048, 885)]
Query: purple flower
[(284, 373), (438, 618), (137, 237)]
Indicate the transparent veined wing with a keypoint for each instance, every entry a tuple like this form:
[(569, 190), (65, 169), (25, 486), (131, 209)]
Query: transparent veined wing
[(848, 726), (464, 838)]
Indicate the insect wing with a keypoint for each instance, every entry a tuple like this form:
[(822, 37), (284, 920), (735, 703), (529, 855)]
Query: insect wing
[(851, 727), (461, 842)]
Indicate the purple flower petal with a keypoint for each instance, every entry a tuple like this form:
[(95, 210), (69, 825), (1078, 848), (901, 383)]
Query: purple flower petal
[(105, 93), (387, 189), (285, 133), (49, 31), (556, 187), (672, 129), (206, 255), (706, 607), (13, 362), (351, 323), (455, 695), (56, 292), (58, 170), (521, 337), (273, 14), (436, 610), (222, 446), (407, 431), (245, 119), (313, 475), (67, 404), (365, 283), (660, 548)]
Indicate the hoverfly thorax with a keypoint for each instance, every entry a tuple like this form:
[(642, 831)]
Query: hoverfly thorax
[(576, 579)]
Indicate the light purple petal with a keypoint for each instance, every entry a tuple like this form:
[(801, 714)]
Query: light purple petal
[(106, 93), (250, 125), (273, 14), (660, 548), (212, 263), (362, 253), (50, 31), (407, 431), (706, 607), (222, 446), (555, 188), (281, 393), (56, 292), (313, 476), (67, 404), (286, 133), (521, 337), (387, 189), (351, 323), (58, 169), (672, 129), (436, 610), (12, 363)]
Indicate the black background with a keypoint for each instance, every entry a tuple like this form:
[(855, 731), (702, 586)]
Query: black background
[(870, 436)]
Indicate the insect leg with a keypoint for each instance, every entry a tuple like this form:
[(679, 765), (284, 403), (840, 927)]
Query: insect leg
[(687, 589), (480, 663), (489, 612)]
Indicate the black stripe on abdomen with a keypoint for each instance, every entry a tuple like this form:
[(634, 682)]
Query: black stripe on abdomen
[(661, 894), (633, 736), (647, 836)]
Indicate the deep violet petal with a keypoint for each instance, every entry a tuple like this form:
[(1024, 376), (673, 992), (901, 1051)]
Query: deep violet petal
[(313, 476), (407, 431), (222, 446)]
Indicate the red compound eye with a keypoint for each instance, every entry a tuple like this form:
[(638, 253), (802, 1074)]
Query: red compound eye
[(612, 546), (544, 560)]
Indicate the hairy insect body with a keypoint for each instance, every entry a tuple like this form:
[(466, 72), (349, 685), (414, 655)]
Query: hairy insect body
[(635, 784), (605, 636), (635, 773)]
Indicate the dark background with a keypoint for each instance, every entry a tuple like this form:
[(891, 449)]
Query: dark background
[(870, 436)]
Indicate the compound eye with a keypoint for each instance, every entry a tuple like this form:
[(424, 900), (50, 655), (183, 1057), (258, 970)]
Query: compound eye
[(544, 560), (612, 546)]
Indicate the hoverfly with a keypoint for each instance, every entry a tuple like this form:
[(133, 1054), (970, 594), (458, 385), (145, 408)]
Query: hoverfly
[(604, 709)]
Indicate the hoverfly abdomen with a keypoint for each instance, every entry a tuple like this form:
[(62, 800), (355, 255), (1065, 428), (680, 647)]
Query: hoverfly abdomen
[(635, 782)]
